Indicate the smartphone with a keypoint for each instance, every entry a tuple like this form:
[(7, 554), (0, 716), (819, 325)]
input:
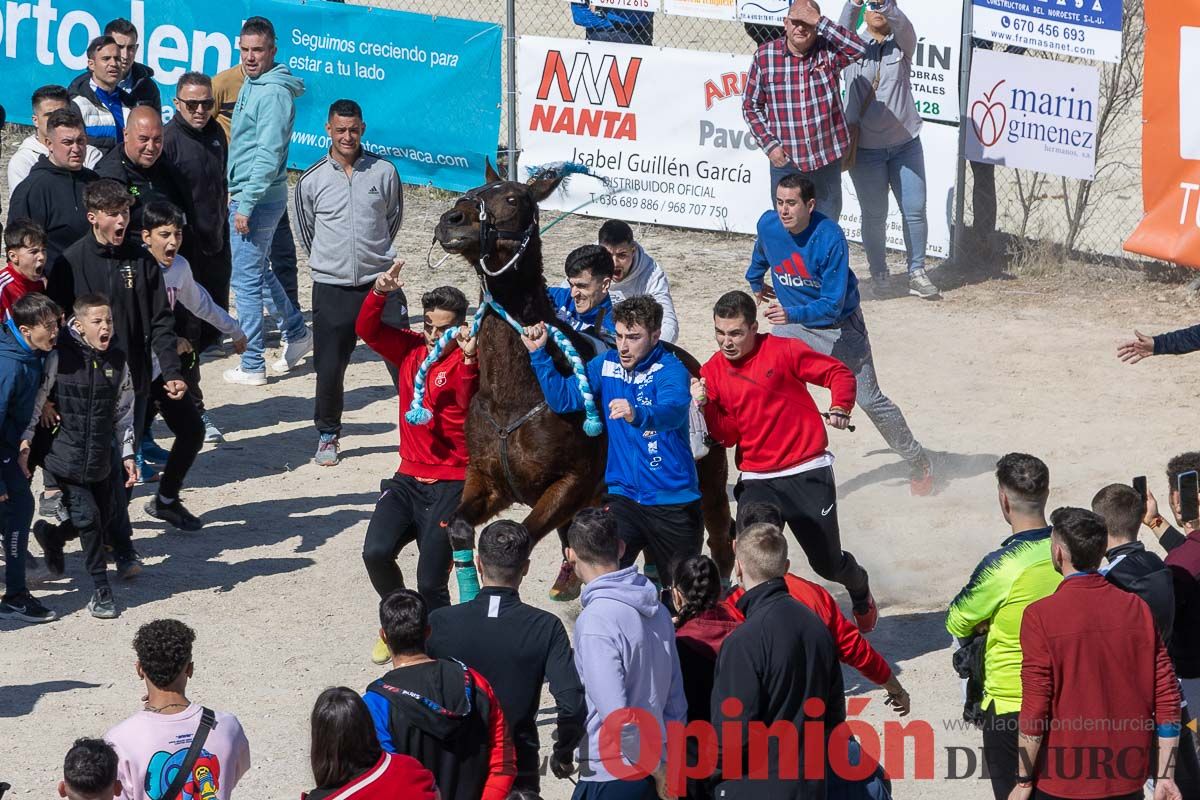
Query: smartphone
[(1139, 486), (1189, 496)]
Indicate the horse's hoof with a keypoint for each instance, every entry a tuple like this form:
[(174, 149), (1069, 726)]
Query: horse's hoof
[(566, 586)]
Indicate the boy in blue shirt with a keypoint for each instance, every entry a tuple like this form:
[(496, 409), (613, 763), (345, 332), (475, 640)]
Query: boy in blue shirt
[(584, 303), (653, 490), (814, 297), (29, 332)]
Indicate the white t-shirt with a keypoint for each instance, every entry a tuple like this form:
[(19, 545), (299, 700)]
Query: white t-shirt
[(150, 747)]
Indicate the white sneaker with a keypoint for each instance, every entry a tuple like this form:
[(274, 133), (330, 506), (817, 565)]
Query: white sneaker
[(236, 375), (294, 353), (212, 434)]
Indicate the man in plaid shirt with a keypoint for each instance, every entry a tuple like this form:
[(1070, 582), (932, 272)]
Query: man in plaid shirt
[(793, 101)]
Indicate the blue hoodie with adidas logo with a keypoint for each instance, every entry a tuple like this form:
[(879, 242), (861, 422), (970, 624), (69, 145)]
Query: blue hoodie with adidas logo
[(810, 270)]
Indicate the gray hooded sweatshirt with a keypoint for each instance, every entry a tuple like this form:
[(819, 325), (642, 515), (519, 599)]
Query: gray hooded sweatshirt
[(625, 654)]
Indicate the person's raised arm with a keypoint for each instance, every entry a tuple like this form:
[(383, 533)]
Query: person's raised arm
[(845, 44), (390, 343), (561, 391), (902, 28)]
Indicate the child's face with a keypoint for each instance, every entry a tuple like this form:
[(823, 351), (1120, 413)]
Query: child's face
[(164, 242), (29, 259), (95, 326), (41, 336), (109, 226)]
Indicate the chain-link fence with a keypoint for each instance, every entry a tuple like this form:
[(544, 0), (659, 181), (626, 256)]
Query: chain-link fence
[(1092, 217)]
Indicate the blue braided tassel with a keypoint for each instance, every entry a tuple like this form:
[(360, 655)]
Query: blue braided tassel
[(592, 426), (417, 413)]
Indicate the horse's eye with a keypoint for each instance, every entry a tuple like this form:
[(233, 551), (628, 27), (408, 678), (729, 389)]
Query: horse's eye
[(512, 199)]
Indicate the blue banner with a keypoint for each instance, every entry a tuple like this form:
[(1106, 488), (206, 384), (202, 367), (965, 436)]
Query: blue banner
[(1084, 28), (429, 87)]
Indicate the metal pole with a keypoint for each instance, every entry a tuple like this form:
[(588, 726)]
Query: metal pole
[(964, 119), (511, 38)]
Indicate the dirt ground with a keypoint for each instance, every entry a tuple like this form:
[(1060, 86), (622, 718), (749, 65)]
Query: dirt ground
[(275, 587)]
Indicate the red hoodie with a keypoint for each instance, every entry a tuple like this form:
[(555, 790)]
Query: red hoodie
[(761, 402), (392, 776), (14, 286), (853, 647), (437, 451)]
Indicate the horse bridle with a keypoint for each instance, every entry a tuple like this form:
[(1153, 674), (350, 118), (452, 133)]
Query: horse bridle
[(490, 235)]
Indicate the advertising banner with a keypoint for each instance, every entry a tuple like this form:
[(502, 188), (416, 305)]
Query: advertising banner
[(710, 9), (1083, 28), (339, 50), (664, 128), (1170, 229), (1030, 113)]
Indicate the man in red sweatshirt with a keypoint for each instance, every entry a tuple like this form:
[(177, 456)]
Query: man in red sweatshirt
[(853, 648), (1098, 693), (416, 502), (755, 395)]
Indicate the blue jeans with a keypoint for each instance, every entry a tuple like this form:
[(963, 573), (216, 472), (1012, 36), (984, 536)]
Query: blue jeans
[(16, 515), (283, 258), (828, 183), (903, 170), (255, 286)]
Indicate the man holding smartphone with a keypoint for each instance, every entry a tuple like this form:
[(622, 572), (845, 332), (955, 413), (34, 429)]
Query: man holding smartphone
[(1183, 559)]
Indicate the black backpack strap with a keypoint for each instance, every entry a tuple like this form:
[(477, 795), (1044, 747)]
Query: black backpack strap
[(208, 721)]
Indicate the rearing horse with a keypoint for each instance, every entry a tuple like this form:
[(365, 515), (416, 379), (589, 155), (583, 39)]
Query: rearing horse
[(519, 450)]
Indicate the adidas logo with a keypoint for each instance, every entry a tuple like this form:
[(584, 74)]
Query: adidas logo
[(373, 190)]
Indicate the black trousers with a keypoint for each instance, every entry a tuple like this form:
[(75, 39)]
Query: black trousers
[(671, 533), (407, 511), (1139, 795), (1001, 750), (334, 312), (983, 197), (190, 363), (183, 418), (93, 509), (808, 503)]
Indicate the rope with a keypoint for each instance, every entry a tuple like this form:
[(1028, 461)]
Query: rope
[(419, 415)]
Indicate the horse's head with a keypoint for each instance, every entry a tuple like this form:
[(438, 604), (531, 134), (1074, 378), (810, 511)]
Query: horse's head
[(493, 226)]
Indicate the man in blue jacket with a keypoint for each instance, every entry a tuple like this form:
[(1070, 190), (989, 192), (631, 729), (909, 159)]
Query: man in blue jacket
[(583, 302), (262, 128), (653, 490), (27, 334), (813, 297)]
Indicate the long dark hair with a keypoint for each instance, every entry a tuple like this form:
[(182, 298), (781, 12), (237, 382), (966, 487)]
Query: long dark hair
[(699, 581), (343, 737)]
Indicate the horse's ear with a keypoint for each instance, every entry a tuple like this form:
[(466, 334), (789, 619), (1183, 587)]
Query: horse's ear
[(491, 175), (544, 183)]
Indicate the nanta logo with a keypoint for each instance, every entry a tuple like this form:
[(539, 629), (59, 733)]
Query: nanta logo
[(587, 82)]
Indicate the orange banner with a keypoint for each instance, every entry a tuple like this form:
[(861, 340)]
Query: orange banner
[(1170, 229)]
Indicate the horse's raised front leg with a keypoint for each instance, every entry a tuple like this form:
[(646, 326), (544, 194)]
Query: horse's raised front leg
[(556, 507), (480, 502)]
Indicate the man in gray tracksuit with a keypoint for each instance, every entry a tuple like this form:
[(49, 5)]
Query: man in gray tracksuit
[(348, 208)]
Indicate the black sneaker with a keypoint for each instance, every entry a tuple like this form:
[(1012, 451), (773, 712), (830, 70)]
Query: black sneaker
[(102, 605), (879, 285), (48, 538), (174, 514), (129, 566), (26, 608)]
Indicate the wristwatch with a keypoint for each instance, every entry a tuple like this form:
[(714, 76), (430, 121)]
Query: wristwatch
[(1156, 523)]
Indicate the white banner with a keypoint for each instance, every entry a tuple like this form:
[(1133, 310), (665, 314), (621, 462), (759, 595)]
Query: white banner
[(710, 9), (665, 128), (1030, 113), (769, 12), (628, 5)]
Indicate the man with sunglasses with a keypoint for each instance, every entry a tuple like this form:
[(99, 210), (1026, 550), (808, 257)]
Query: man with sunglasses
[(415, 503), (793, 104), (348, 209)]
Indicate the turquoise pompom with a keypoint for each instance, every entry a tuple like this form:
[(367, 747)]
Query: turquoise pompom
[(419, 416), (593, 427)]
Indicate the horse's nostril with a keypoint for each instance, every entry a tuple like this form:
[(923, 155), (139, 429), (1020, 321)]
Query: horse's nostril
[(455, 218)]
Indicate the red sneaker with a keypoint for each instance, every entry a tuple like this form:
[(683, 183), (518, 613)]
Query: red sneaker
[(921, 483), (567, 585), (867, 620)]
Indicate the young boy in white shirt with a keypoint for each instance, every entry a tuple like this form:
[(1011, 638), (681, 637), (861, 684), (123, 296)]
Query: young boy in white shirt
[(162, 232)]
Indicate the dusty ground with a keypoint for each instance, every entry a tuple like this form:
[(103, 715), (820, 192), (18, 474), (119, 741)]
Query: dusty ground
[(276, 591)]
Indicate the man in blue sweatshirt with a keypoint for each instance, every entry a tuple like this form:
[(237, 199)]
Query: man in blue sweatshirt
[(262, 128), (626, 657), (583, 302), (653, 490), (27, 334), (813, 297)]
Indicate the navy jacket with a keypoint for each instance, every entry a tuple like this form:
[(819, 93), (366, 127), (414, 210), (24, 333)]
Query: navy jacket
[(649, 460), (20, 377)]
